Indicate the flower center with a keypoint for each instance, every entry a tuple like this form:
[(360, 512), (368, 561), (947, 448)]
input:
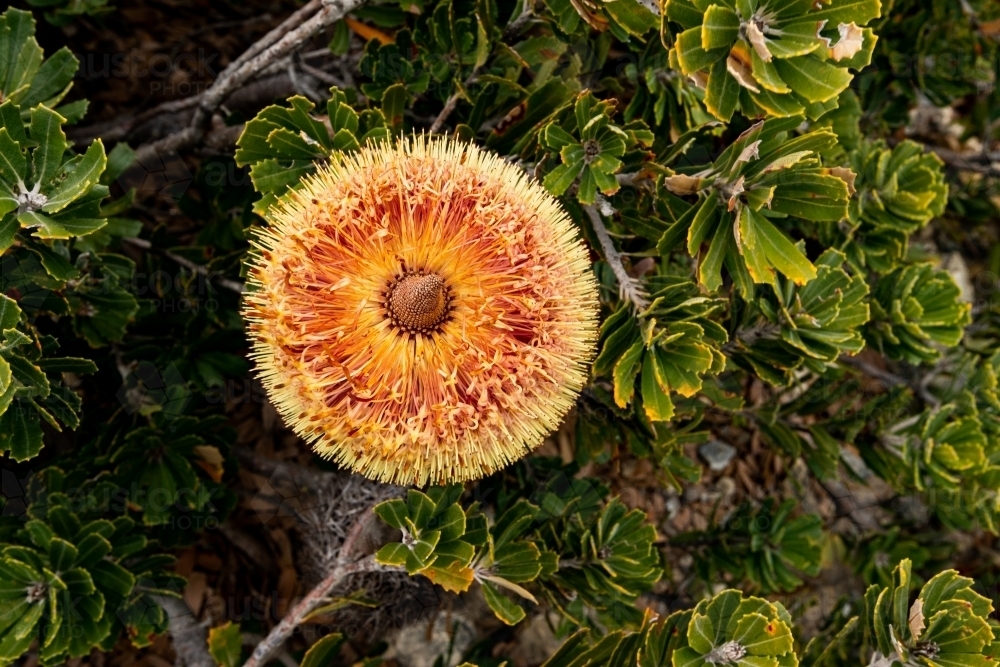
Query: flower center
[(729, 652), (36, 592), (926, 649), (418, 302)]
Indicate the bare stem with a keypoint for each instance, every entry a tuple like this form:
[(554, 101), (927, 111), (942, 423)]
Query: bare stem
[(343, 568), (515, 26), (190, 637), (233, 285), (275, 45), (891, 379), (628, 287), (745, 338), (450, 105)]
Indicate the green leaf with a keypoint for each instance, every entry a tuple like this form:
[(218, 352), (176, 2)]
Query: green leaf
[(632, 15), (691, 56), (720, 28), (324, 652), (393, 512), (517, 562), (625, 372), (722, 93), (13, 165), (701, 634), (781, 252), (813, 78), (655, 399), (846, 11), (52, 80), (112, 578), (420, 508), (46, 227), (65, 364), (20, 432), (62, 554), (225, 644), (46, 129), (85, 174), (505, 609), (10, 313), (393, 554), (451, 523), (710, 268), (394, 101), (456, 577), (6, 385)]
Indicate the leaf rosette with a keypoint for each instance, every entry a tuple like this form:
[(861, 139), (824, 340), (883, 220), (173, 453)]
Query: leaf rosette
[(772, 57)]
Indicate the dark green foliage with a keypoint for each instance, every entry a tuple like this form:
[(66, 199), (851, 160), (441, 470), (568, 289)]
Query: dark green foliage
[(74, 581), (771, 60), (767, 548), (916, 312), (898, 192), (791, 327), (589, 561), (765, 175)]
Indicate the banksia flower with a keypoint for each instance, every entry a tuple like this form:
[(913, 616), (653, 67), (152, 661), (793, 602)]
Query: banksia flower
[(421, 313)]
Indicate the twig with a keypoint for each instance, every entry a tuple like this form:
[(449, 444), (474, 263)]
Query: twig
[(321, 75), (233, 285), (277, 44), (300, 476), (449, 106), (631, 178), (252, 639), (628, 288), (745, 338), (168, 117), (190, 637), (891, 379), (268, 40), (982, 163), (302, 87), (344, 567), (843, 500), (451, 103), (514, 27), (985, 162)]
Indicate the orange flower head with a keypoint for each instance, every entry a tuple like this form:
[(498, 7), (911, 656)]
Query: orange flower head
[(423, 312)]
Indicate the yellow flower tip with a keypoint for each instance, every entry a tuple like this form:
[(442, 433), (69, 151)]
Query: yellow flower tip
[(422, 313)]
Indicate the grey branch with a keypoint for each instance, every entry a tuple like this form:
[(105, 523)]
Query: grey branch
[(232, 285), (450, 105), (275, 45), (190, 637), (917, 384), (628, 287), (341, 569), (745, 338), (515, 26)]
